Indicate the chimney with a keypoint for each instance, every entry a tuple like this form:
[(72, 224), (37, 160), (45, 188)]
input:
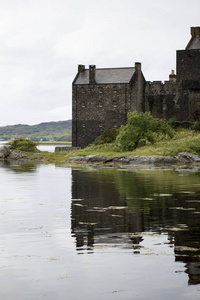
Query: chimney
[(172, 76), (92, 74), (138, 67), (195, 31), (81, 68)]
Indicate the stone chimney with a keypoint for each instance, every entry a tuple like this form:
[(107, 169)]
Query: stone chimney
[(195, 38), (195, 31), (172, 76), (138, 66), (81, 68), (92, 74)]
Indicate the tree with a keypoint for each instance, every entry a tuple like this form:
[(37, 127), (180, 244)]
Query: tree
[(140, 128)]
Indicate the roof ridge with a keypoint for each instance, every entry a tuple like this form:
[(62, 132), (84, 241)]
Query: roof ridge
[(114, 68)]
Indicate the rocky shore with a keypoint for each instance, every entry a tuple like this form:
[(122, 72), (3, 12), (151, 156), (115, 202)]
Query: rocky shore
[(8, 153), (182, 159)]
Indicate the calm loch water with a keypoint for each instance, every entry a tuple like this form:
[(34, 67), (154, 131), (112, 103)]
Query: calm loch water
[(70, 233)]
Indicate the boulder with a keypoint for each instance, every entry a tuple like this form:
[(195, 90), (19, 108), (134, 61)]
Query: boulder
[(5, 151)]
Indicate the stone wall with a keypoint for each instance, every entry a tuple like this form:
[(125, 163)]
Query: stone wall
[(188, 64), (97, 107), (162, 99)]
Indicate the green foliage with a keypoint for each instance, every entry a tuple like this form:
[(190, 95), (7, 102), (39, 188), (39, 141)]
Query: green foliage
[(24, 145), (141, 129), (172, 122), (196, 126), (108, 136)]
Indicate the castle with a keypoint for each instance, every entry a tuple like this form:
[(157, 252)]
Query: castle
[(101, 98)]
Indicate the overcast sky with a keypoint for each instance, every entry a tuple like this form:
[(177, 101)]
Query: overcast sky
[(43, 41)]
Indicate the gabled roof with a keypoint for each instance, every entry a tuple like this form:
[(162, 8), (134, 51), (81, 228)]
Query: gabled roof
[(194, 43), (106, 76)]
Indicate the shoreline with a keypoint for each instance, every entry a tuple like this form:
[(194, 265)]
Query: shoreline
[(182, 160)]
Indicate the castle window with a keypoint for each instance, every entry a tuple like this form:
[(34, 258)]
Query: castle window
[(115, 103), (184, 92), (162, 92), (83, 125), (115, 125), (100, 104), (115, 89), (83, 90), (83, 104), (174, 92), (100, 125), (100, 90)]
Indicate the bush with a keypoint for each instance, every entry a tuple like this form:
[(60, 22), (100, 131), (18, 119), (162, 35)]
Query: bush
[(172, 122), (196, 126), (24, 145), (140, 129), (108, 136)]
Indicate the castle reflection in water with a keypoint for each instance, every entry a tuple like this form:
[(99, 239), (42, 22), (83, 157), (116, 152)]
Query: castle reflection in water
[(115, 208)]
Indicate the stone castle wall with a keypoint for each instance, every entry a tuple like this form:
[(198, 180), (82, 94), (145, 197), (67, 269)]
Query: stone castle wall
[(97, 107)]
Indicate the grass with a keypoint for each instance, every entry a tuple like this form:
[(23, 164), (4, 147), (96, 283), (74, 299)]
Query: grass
[(183, 141)]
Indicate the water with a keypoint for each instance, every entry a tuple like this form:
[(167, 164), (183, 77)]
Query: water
[(49, 147), (42, 147), (98, 233)]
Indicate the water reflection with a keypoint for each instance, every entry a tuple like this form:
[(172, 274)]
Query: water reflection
[(120, 208), (19, 166)]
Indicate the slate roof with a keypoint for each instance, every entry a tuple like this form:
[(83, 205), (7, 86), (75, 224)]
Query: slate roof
[(194, 43), (106, 76)]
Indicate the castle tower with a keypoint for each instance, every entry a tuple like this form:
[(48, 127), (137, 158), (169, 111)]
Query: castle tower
[(188, 60), (188, 77)]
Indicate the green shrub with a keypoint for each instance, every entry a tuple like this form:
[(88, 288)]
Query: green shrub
[(196, 126), (140, 129), (108, 136), (24, 145), (172, 122)]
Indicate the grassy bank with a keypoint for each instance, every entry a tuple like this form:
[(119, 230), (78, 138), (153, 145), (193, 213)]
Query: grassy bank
[(183, 141)]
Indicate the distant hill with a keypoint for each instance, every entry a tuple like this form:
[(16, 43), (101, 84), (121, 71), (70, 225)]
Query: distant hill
[(48, 131)]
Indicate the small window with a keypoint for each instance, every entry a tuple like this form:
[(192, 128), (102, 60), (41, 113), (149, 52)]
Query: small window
[(184, 92), (83, 125), (100, 104), (115, 125), (100, 90), (114, 103), (83, 104), (115, 89), (162, 92), (83, 90), (100, 125), (174, 92)]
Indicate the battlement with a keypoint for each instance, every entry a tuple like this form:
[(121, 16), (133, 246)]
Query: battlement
[(160, 88)]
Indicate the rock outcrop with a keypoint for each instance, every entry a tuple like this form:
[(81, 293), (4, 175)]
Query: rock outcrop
[(7, 152), (182, 158)]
